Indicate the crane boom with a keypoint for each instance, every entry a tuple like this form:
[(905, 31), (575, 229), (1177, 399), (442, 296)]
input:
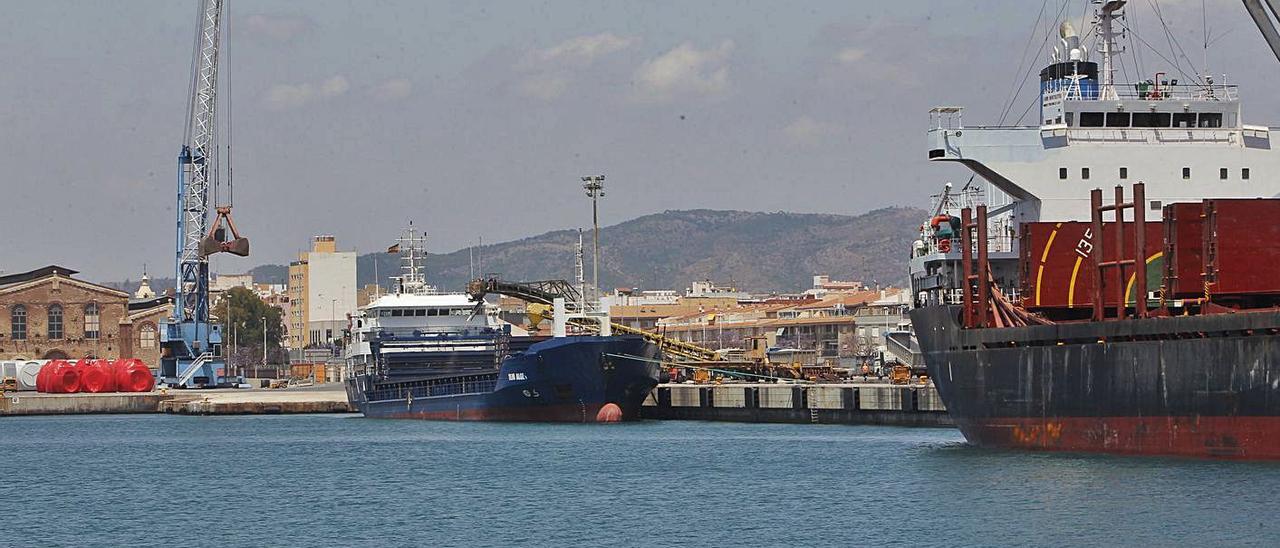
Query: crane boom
[(1263, 20), (197, 162), (192, 345)]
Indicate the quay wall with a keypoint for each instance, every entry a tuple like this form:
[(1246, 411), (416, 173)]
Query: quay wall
[(858, 403)]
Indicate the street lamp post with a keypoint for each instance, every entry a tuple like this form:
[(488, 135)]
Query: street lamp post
[(595, 189), (264, 343)]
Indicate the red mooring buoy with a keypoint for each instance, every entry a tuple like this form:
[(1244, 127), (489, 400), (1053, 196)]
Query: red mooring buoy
[(609, 412)]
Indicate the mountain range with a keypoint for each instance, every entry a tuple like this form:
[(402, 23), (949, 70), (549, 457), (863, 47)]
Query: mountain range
[(754, 251)]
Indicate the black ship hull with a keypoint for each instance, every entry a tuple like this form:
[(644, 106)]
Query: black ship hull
[(565, 379), (1203, 386)]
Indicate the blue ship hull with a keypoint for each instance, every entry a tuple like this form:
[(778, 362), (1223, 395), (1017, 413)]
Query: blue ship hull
[(568, 379)]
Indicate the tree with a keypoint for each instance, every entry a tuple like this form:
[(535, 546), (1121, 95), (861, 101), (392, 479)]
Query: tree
[(246, 310)]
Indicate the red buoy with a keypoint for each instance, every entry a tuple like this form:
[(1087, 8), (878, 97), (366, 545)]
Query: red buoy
[(609, 412), (98, 377), (133, 376), (62, 378), (42, 378)]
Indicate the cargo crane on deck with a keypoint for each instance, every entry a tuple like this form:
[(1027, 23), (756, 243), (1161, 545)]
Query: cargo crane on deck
[(546, 292), (191, 346)]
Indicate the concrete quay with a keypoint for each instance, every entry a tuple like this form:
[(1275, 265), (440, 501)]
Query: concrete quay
[(853, 403), (325, 398)]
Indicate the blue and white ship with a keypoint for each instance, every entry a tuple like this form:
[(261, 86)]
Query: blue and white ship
[(420, 353)]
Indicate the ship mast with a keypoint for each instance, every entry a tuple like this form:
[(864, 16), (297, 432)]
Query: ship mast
[(1110, 48), (413, 257)]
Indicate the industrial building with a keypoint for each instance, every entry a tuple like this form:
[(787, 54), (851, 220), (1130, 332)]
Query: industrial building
[(322, 292), (47, 313)]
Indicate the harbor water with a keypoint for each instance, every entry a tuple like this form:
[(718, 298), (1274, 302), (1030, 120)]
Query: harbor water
[(341, 480)]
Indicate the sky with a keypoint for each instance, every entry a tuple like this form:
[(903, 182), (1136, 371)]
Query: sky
[(478, 119)]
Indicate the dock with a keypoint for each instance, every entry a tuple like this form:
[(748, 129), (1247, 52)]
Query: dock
[(851, 403), (324, 398)]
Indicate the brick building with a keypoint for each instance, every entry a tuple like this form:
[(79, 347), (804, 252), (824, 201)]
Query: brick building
[(47, 314)]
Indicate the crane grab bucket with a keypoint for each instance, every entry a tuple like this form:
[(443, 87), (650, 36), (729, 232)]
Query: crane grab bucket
[(217, 242)]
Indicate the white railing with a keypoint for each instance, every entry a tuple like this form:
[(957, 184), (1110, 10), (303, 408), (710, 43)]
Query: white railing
[(194, 367)]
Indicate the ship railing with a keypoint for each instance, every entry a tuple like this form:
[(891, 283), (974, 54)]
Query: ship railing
[(435, 390), (1144, 91)]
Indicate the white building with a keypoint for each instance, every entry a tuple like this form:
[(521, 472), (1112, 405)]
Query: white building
[(322, 293)]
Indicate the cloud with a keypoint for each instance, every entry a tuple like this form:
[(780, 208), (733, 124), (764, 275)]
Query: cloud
[(334, 86), (547, 73), (579, 51), (544, 86), (849, 56), (290, 96), (280, 28), (391, 90), (807, 131), (685, 70)]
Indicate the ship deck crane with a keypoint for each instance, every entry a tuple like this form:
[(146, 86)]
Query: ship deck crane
[(547, 291), (191, 346), (1264, 22)]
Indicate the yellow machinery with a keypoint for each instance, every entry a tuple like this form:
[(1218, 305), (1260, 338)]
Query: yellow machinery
[(901, 374)]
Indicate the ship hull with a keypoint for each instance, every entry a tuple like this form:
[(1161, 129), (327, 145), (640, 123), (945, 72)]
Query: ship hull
[(570, 379), (1200, 386)]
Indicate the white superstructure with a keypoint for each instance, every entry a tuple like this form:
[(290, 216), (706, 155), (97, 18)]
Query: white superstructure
[(417, 321), (1184, 140)]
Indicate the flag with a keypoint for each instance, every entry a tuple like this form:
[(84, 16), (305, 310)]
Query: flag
[(394, 249)]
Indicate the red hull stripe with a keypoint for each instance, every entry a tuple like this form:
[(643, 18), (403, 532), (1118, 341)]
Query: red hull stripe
[(558, 413), (1246, 438)]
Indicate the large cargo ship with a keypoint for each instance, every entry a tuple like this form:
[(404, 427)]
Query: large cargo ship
[(1049, 320), (418, 353)]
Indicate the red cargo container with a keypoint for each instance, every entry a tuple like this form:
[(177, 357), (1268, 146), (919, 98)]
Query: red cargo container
[(98, 377), (1242, 247), (1056, 262), (1183, 250)]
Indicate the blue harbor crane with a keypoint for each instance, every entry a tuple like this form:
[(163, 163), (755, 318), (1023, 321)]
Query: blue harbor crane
[(191, 346)]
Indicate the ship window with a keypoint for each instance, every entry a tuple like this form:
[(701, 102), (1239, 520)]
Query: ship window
[(1117, 119), (1071, 118), (1124, 173), (1090, 119), (1211, 119), (1184, 119), (1244, 173), (420, 312), (1084, 173), (1155, 205), (1062, 173), (1186, 173), (1151, 119), (397, 313), (1222, 173)]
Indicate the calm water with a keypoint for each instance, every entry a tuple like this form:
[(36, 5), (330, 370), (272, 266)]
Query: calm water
[(340, 481)]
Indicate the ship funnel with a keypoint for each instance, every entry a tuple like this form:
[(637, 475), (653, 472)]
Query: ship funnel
[(1070, 43)]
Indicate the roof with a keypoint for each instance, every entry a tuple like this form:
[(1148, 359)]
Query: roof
[(136, 305), (24, 280), (36, 274), (409, 299), (846, 299)]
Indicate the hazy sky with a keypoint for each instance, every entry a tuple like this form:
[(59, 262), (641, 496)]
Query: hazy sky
[(478, 118)]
